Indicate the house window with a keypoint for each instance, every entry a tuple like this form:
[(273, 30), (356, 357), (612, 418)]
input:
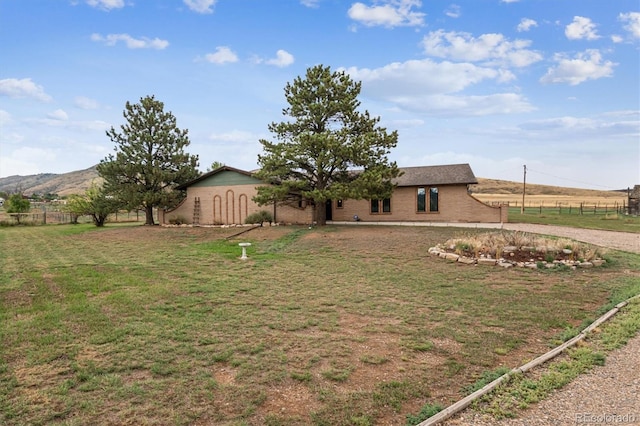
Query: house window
[(338, 204), (433, 199), (386, 206), (422, 200)]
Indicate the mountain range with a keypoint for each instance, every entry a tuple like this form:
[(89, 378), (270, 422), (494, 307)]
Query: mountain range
[(79, 181)]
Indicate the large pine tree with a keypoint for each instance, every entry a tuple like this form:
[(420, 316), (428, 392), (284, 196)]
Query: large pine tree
[(327, 149), (150, 160)]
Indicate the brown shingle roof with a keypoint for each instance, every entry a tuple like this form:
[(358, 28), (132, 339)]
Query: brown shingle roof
[(452, 174)]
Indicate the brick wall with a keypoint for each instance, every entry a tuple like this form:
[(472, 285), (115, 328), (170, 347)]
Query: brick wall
[(226, 205), (454, 205)]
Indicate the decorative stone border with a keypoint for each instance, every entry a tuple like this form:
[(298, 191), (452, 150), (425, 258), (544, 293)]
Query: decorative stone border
[(506, 263)]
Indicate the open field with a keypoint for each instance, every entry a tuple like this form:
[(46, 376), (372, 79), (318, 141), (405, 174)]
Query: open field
[(611, 199), (494, 191), (335, 326), (573, 218)]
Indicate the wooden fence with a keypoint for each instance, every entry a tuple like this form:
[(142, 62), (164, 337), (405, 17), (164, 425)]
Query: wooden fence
[(58, 217), (582, 208)]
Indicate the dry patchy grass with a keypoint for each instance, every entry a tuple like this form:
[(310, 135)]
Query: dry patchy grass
[(351, 325)]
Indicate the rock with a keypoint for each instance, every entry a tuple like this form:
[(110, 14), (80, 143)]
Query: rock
[(531, 265), (451, 256), (505, 264), (509, 249), (567, 251), (486, 261), (598, 262), (466, 260), (585, 265)]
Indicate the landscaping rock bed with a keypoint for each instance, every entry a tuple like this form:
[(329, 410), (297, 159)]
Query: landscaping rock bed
[(533, 256)]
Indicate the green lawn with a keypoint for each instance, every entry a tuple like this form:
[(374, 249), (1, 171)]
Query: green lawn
[(334, 326), (573, 218)]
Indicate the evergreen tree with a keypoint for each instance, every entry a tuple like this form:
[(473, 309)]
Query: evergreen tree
[(150, 160), (326, 149)]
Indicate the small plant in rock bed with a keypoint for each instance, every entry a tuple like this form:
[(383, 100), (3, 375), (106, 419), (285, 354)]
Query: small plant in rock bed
[(177, 220), (259, 217), (528, 246)]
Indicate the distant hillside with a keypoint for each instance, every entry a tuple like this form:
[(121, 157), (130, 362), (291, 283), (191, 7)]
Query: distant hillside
[(48, 183), (496, 186), (79, 181)]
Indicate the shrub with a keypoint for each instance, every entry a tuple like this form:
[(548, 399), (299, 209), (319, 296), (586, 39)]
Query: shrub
[(259, 217), (427, 411), (177, 220)]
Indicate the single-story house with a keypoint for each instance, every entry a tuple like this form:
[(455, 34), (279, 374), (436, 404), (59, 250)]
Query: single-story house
[(421, 194)]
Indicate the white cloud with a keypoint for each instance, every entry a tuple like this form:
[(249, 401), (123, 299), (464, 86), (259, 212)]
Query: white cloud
[(486, 48), (58, 114), (310, 3), (581, 28), (85, 103), (57, 120), (131, 43), (526, 24), (25, 161), (633, 23), (106, 4), (453, 11), (282, 59), (390, 13), (428, 87), (222, 55), (201, 6), (234, 136), (585, 66), (617, 39), (24, 88), (5, 118), (509, 1)]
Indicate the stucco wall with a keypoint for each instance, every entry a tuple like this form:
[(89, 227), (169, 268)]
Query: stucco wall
[(454, 205), (226, 205)]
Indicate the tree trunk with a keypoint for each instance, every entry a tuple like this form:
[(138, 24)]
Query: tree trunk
[(321, 213), (148, 210)]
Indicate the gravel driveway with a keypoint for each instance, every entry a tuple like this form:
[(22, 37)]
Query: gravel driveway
[(606, 395), (625, 241)]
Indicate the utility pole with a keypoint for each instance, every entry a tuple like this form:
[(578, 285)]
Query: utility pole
[(524, 188)]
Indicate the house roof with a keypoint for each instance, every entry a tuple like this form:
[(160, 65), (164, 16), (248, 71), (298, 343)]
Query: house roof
[(211, 173), (452, 174)]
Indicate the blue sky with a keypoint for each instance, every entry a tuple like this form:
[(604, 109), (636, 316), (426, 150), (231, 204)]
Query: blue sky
[(553, 84)]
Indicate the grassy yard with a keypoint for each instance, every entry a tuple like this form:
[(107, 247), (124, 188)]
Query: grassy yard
[(552, 216), (335, 326)]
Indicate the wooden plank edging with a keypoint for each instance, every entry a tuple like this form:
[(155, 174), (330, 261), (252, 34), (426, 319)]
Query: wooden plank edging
[(466, 401)]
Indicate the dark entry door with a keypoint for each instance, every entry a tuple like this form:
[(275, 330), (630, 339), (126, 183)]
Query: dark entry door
[(329, 210)]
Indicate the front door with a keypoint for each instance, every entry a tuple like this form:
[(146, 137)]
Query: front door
[(329, 210)]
